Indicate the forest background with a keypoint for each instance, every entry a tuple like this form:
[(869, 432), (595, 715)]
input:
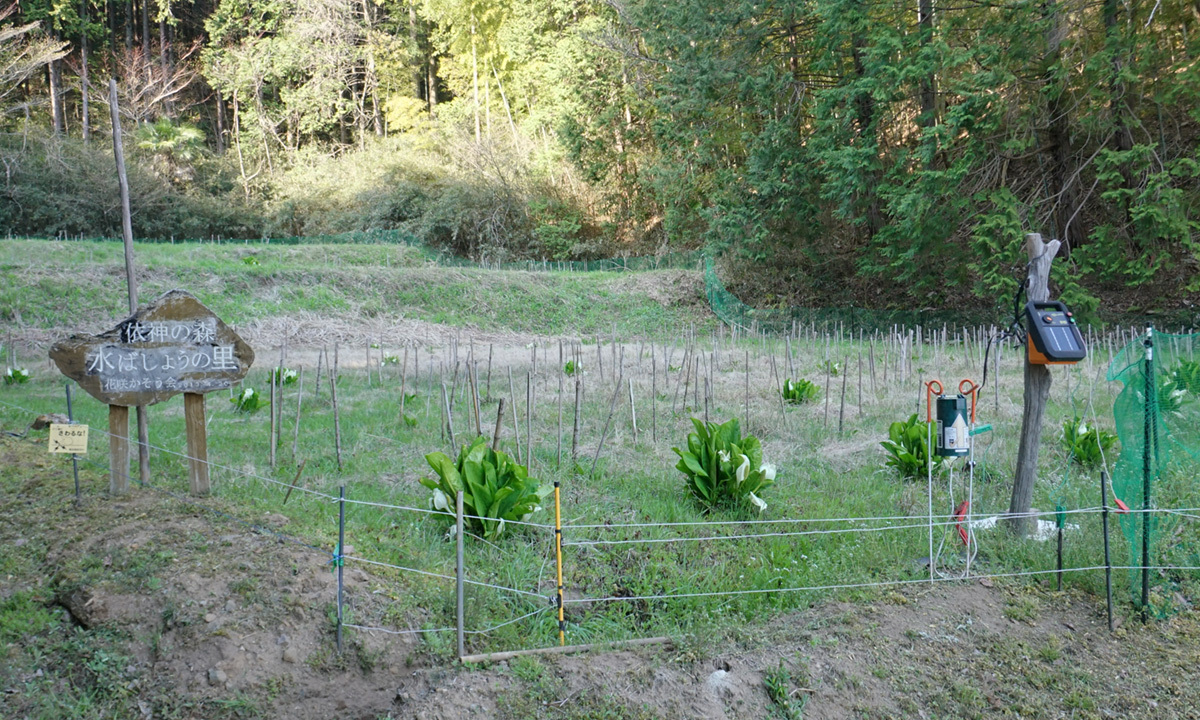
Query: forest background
[(875, 153)]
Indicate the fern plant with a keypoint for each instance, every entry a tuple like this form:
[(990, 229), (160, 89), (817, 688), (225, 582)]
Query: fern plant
[(800, 391), (495, 488), (908, 448), (1087, 445), (722, 468)]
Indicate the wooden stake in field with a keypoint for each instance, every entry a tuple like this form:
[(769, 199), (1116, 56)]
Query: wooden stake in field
[(578, 410), (512, 394), (529, 420), (317, 386), (632, 412), (271, 412), (403, 383), (449, 418), (337, 420), (653, 396), (561, 374), (296, 429), (499, 425), (842, 404), (612, 408)]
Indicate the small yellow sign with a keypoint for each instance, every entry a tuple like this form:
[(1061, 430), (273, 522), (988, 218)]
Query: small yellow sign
[(68, 438)]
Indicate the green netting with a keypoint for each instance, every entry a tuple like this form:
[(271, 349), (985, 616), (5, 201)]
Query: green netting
[(1158, 471), (784, 320)]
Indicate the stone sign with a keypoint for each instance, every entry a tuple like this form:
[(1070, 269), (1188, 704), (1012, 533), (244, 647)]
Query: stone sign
[(173, 345)]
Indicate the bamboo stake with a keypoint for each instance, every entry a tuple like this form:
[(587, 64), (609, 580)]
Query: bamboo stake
[(296, 429), (403, 382), (529, 409), (449, 417), (860, 382), (653, 395), (512, 394), (499, 425), (612, 408), (633, 412), (271, 411), (337, 421), (558, 462), (575, 431), (842, 405)]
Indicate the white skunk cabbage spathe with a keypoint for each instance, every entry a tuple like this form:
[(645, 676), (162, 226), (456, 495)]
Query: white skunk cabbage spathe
[(440, 501), (743, 470)]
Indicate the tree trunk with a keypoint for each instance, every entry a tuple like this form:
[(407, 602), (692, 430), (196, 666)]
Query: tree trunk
[(221, 123), (1058, 133), (59, 118), (928, 115), (146, 25), (83, 71), (1037, 390), (129, 25), (475, 78), (431, 86)]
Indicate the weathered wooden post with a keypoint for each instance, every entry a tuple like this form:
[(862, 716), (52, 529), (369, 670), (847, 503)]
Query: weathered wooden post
[(173, 345), (1037, 390)]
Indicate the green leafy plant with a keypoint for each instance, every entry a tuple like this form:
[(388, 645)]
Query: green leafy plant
[(570, 368), (1171, 395), (831, 367), (908, 449), (249, 401), (283, 376), (800, 391), (390, 360), (250, 260), (722, 468), (495, 488), (1187, 376), (16, 376), (1087, 445)]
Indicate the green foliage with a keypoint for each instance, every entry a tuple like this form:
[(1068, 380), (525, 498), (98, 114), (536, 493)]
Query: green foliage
[(249, 401), (723, 469), (570, 368), (1087, 446), (907, 448), (831, 367), (495, 488), (800, 391), (283, 376), (779, 683), (16, 376), (1186, 376)]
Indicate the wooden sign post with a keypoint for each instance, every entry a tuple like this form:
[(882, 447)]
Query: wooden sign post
[(174, 345)]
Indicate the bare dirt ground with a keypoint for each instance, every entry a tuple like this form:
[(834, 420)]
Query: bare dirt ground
[(218, 619)]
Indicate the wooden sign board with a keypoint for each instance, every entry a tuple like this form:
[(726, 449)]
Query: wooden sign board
[(66, 438), (173, 345)]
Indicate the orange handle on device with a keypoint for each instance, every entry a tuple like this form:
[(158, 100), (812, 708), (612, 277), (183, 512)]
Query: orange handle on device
[(929, 393), (972, 390)]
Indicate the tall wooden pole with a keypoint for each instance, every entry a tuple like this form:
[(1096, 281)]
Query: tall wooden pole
[(1037, 390), (131, 280)]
